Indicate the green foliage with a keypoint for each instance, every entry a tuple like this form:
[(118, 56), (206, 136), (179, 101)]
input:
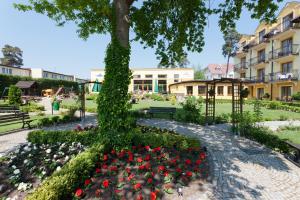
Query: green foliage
[(63, 183), (113, 100), (7, 80), (173, 100), (52, 137), (157, 97), (249, 129), (257, 111), (14, 95), (32, 107), (199, 75), (191, 110), (296, 96), (12, 56), (274, 105)]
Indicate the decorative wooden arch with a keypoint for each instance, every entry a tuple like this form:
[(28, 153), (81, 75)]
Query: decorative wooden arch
[(237, 100)]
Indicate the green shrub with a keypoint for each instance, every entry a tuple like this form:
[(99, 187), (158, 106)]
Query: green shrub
[(173, 100), (32, 107), (296, 96), (157, 97), (191, 110), (55, 119), (91, 97), (51, 137), (14, 95), (44, 122), (283, 118), (274, 105)]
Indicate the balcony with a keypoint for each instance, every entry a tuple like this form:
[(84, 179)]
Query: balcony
[(285, 52), (257, 79), (258, 60), (241, 66), (284, 29), (286, 76)]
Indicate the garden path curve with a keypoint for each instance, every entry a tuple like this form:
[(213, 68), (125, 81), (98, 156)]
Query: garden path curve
[(241, 169)]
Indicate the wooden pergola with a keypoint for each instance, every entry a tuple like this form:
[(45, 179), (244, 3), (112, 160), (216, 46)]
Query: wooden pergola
[(237, 100)]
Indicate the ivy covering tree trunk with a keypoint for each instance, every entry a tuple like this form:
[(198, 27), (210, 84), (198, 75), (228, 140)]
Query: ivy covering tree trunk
[(113, 101)]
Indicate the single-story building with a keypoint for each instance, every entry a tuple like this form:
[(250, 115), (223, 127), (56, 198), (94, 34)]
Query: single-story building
[(29, 88)]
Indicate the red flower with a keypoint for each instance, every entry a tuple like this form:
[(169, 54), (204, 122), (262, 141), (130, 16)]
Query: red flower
[(147, 148), (166, 173), (156, 149), (188, 161), (105, 183), (147, 166), (142, 167), (130, 157), (189, 174), (161, 168), (97, 193), (128, 170), (131, 176), (105, 157), (150, 180), (178, 170), (121, 154), (87, 182), (139, 197), (202, 155), (137, 186), (173, 161), (113, 151), (198, 162), (153, 196), (113, 168), (79, 193), (104, 166), (98, 170), (133, 147), (139, 159), (148, 157)]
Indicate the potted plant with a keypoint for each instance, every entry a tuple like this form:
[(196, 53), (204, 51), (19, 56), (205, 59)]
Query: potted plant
[(244, 93)]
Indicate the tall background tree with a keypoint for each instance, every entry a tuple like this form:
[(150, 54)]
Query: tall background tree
[(231, 38), (12, 56), (199, 73), (171, 27)]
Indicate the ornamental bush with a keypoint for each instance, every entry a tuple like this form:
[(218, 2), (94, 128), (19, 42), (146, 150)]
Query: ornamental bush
[(14, 95)]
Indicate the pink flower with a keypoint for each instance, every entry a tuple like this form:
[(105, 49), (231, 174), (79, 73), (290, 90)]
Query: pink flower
[(79, 193)]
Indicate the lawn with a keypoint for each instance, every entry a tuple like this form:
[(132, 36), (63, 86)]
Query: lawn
[(290, 133)]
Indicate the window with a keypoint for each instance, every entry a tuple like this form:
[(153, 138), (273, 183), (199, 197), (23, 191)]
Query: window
[(201, 90), (148, 76), (261, 36), (286, 21), (229, 90), (287, 67), (261, 74), (136, 76), (220, 90), (189, 90), (286, 46), (10, 71), (176, 80), (261, 56), (260, 93), (176, 75), (243, 75), (162, 75), (286, 92), (3, 70), (162, 86), (142, 85), (243, 62)]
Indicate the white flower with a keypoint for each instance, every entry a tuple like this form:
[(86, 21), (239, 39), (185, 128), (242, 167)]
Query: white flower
[(16, 171), (55, 156), (44, 172), (67, 158), (14, 167), (58, 168), (24, 186), (48, 151), (27, 148), (25, 161)]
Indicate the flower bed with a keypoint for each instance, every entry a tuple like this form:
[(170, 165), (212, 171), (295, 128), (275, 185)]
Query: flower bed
[(143, 173), (28, 165)]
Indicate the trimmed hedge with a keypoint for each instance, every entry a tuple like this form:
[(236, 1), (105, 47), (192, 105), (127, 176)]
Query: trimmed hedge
[(62, 183), (7, 80), (52, 137)]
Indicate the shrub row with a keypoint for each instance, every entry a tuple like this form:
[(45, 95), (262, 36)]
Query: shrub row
[(48, 121)]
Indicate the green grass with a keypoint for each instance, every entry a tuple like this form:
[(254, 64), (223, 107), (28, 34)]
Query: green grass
[(290, 133), (220, 108), (6, 128)]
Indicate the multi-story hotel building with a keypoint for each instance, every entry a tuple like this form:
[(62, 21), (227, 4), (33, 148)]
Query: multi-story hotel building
[(40, 73), (269, 59), (151, 80)]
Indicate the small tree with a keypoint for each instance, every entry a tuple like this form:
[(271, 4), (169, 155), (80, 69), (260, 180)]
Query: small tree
[(14, 95), (12, 56), (231, 38)]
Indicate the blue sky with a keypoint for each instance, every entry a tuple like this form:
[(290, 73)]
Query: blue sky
[(60, 49)]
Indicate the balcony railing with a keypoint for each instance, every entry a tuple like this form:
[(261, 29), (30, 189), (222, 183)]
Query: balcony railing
[(258, 60), (258, 79), (242, 65), (282, 27), (285, 51), (283, 76)]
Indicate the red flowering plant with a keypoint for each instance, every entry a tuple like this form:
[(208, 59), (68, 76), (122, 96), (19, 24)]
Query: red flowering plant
[(79, 193), (140, 169)]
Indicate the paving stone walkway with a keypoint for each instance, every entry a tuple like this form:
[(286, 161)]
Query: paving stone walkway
[(241, 169)]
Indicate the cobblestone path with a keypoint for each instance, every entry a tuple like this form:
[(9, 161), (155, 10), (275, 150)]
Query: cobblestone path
[(241, 169)]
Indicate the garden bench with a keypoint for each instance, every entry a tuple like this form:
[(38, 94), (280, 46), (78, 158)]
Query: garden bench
[(162, 110), (296, 157), (15, 118), (9, 109)]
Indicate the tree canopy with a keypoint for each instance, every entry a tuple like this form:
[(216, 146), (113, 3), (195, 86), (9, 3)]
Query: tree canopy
[(12, 56), (171, 27)]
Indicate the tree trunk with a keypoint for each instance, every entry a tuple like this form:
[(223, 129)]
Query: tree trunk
[(227, 65), (122, 25)]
